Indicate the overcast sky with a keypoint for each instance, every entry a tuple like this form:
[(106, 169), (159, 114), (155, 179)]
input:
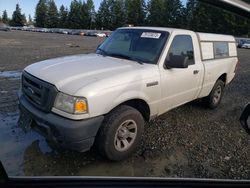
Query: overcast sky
[(28, 6)]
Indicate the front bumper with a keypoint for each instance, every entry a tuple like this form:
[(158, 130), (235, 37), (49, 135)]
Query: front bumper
[(76, 135)]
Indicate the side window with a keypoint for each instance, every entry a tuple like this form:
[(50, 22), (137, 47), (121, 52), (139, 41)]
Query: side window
[(221, 49), (182, 45)]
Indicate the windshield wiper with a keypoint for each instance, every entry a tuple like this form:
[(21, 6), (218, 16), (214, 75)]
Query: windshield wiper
[(126, 57), (104, 53)]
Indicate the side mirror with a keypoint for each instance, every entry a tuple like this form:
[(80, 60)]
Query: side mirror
[(176, 61), (245, 118)]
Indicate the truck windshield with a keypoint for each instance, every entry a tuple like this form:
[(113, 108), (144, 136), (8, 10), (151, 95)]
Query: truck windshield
[(140, 45)]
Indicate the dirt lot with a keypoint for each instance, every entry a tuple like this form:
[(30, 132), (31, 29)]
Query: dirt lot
[(190, 141)]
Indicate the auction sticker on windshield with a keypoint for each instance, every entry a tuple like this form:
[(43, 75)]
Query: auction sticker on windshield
[(150, 35)]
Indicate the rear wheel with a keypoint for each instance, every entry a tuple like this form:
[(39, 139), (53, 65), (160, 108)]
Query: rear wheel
[(214, 98), (120, 133)]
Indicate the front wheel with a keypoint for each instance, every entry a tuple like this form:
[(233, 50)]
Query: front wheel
[(120, 133), (214, 98)]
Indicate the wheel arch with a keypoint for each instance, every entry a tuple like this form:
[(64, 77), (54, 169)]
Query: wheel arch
[(223, 78), (139, 104)]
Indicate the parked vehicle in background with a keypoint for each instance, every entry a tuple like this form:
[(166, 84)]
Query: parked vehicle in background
[(137, 74), (76, 32), (91, 33), (63, 31), (42, 30), (72, 32), (81, 33), (45, 30), (239, 42), (4, 27), (100, 34), (108, 33), (242, 41), (246, 44)]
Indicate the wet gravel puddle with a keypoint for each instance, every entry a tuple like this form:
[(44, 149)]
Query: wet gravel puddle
[(11, 75), (14, 141)]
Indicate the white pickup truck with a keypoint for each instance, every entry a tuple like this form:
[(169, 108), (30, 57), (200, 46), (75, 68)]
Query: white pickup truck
[(136, 74)]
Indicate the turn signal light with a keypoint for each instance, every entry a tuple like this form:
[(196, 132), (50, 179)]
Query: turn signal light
[(80, 106)]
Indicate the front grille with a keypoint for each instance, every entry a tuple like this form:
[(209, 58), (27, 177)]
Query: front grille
[(40, 93)]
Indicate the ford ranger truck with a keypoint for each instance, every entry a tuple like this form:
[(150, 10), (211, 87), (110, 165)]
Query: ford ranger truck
[(135, 75)]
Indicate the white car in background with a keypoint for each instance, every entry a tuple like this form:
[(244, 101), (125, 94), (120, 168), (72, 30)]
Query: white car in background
[(62, 31), (100, 34), (246, 45)]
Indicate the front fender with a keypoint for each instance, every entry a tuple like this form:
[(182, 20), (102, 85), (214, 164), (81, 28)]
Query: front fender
[(127, 96), (106, 100)]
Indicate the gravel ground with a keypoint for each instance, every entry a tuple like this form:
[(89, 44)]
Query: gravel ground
[(189, 141)]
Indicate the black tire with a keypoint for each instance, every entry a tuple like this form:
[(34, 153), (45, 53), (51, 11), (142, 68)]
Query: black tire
[(107, 137), (211, 101)]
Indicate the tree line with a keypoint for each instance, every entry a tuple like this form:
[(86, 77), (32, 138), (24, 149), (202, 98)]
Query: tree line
[(81, 14), (18, 19)]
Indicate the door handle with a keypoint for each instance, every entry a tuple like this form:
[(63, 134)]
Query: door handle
[(196, 71)]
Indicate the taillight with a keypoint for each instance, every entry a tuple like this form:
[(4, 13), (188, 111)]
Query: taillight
[(236, 67)]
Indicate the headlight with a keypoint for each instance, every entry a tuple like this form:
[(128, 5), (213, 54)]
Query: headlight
[(71, 104)]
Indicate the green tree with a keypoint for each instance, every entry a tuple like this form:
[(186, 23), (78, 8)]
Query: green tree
[(41, 13), (52, 20), (90, 13), (118, 16), (75, 15), (200, 16), (189, 13), (85, 16), (207, 18), (63, 17), (167, 13), (30, 21), (5, 18), (173, 13), (24, 19), (135, 12), (104, 15), (241, 26), (156, 13), (111, 14), (18, 19), (202, 19)]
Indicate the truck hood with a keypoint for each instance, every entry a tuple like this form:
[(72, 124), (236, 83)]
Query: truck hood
[(71, 73)]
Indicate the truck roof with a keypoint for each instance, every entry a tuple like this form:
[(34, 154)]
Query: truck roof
[(202, 36), (156, 28)]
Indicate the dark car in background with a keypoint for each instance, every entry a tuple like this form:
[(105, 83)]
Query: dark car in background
[(246, 44), (240, 43), (243, 43)]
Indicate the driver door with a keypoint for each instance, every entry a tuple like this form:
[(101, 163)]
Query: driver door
[(181, 85)]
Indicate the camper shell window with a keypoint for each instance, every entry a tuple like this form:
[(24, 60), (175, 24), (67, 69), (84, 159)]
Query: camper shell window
[(221, 50)]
